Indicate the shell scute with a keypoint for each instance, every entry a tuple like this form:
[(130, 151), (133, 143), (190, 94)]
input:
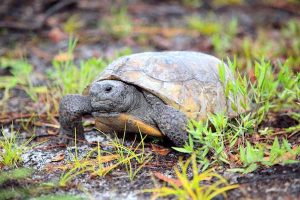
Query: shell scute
[(188, 81)]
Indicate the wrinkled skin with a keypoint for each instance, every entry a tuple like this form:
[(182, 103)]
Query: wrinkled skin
[(110, 97)]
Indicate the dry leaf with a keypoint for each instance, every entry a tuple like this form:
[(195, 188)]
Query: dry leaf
[(51, 132), (160, 150), (104, 159), (167, 179), (39, 123), (58, 157)]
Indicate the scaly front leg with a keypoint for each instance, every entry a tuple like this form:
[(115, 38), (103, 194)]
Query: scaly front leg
[(71, 109)]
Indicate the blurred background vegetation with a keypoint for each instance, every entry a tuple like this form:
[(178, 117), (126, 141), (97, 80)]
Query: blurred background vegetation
[(51, 48)]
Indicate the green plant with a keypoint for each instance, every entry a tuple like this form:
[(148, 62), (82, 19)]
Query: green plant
[(20, 75), (70, 175), (263, 89), (214, 139), (202, 26), (288, 92), (11, 151), (15, 175), (252, 156), (69, 78), (194, 187), (99, 169), (132, 158), (118, 24), (73, 24), (290, 43), (221, 34), (22, 188), (206, 141), (79, 165)]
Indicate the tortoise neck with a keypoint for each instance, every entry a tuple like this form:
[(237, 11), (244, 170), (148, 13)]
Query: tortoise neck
[(137, 101)]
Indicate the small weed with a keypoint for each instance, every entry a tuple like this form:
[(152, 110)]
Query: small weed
[(78, 166), (130, 157), (206, 142), (118, 25), (15, 175), (72, 25), (203, 27), (194, 188), (133, 159), (70, 78), (286, 44), (291, 42), (21, 75), (252, 156), (23, 188), (69, 176), (221, 35), (11, 151), (216, 138), (99, 168)]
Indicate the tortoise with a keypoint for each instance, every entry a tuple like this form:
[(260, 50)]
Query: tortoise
[(155, 93)]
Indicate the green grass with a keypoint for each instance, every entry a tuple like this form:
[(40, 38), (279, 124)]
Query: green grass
[(220, 34), (215, 139), (202, 26), (72, 25), (20, 76), (252, 156), (11, 150), (242, 143), (78, 166), (195, 187), (70, 78), (118, 24), (16, 184), (285, 45), (14, 175), (132, 158)]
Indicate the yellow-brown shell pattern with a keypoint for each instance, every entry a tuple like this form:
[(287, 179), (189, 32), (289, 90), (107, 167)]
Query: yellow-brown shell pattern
[(188, 81)]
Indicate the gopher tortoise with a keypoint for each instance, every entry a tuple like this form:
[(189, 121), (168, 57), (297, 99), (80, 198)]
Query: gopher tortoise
[(154, 93)]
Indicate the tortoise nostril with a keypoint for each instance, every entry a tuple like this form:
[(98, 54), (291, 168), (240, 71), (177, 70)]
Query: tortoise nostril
[(108, 88)]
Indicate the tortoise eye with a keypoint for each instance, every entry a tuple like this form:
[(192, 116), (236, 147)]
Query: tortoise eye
[(108, 88)]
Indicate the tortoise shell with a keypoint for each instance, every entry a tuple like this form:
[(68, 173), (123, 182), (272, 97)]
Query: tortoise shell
[(188, 81)]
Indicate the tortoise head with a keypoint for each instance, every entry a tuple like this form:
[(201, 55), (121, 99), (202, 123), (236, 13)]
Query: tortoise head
[(109, 96)]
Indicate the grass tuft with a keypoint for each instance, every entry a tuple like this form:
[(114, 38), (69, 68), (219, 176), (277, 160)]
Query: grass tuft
[(195, 187), (10, 150), (216, 139)]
